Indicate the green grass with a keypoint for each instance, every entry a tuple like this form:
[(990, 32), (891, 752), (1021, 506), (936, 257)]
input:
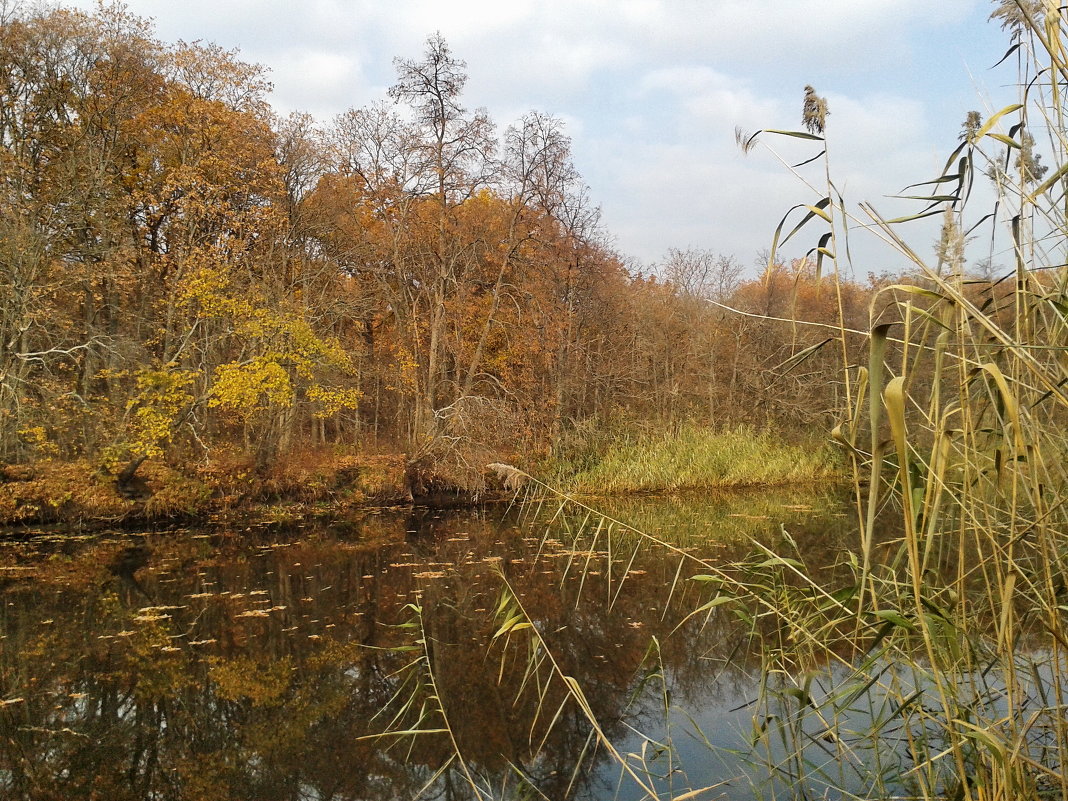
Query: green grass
[(699, 458)]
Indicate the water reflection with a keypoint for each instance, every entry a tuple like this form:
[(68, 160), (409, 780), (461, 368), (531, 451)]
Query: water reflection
[(261, 662)]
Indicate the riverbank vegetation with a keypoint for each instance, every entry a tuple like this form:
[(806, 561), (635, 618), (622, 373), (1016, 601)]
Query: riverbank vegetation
[(931, 660), (697, 458), (936, 666), (188, 278), (192, 284)]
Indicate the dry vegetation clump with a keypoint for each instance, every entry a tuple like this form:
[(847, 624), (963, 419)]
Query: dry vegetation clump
[(52, 491), (696, 458), (79, 492)]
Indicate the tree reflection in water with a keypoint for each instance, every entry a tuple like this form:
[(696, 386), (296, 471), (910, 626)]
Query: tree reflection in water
[(261, 662)]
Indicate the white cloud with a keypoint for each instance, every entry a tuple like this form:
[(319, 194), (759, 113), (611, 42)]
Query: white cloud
[(312, 81), (651, 90), (708, 102), (693, 187)]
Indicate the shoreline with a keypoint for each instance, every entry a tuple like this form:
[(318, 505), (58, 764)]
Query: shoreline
[(70, 496)]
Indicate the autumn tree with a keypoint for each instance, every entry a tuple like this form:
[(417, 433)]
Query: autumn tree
[(147, 256), (182, 271), (68, 82), (467, 255)]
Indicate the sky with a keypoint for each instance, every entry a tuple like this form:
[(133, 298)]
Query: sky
[(651, 92)]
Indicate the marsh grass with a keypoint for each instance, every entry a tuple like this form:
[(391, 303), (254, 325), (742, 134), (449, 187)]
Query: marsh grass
[(696, 458)]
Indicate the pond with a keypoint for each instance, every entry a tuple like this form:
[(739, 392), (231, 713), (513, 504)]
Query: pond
[(514, 651)]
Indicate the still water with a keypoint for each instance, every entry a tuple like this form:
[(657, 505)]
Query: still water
[(556, 653)]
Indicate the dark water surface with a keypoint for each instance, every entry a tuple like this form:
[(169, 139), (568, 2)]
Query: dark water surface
[(354, 660)]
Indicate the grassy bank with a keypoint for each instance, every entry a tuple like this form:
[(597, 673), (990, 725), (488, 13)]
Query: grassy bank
[(80, 492), (700, 458)]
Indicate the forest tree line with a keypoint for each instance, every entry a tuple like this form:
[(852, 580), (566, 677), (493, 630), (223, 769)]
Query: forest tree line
[(183, 270)]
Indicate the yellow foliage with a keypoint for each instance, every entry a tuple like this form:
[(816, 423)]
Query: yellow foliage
[(247, 388), (161, 396), (406, 367), (332, 401), (37, 438), (288, 346)]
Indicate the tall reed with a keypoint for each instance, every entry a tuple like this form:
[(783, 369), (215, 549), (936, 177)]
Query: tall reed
[(957, 646), (933, 664)]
